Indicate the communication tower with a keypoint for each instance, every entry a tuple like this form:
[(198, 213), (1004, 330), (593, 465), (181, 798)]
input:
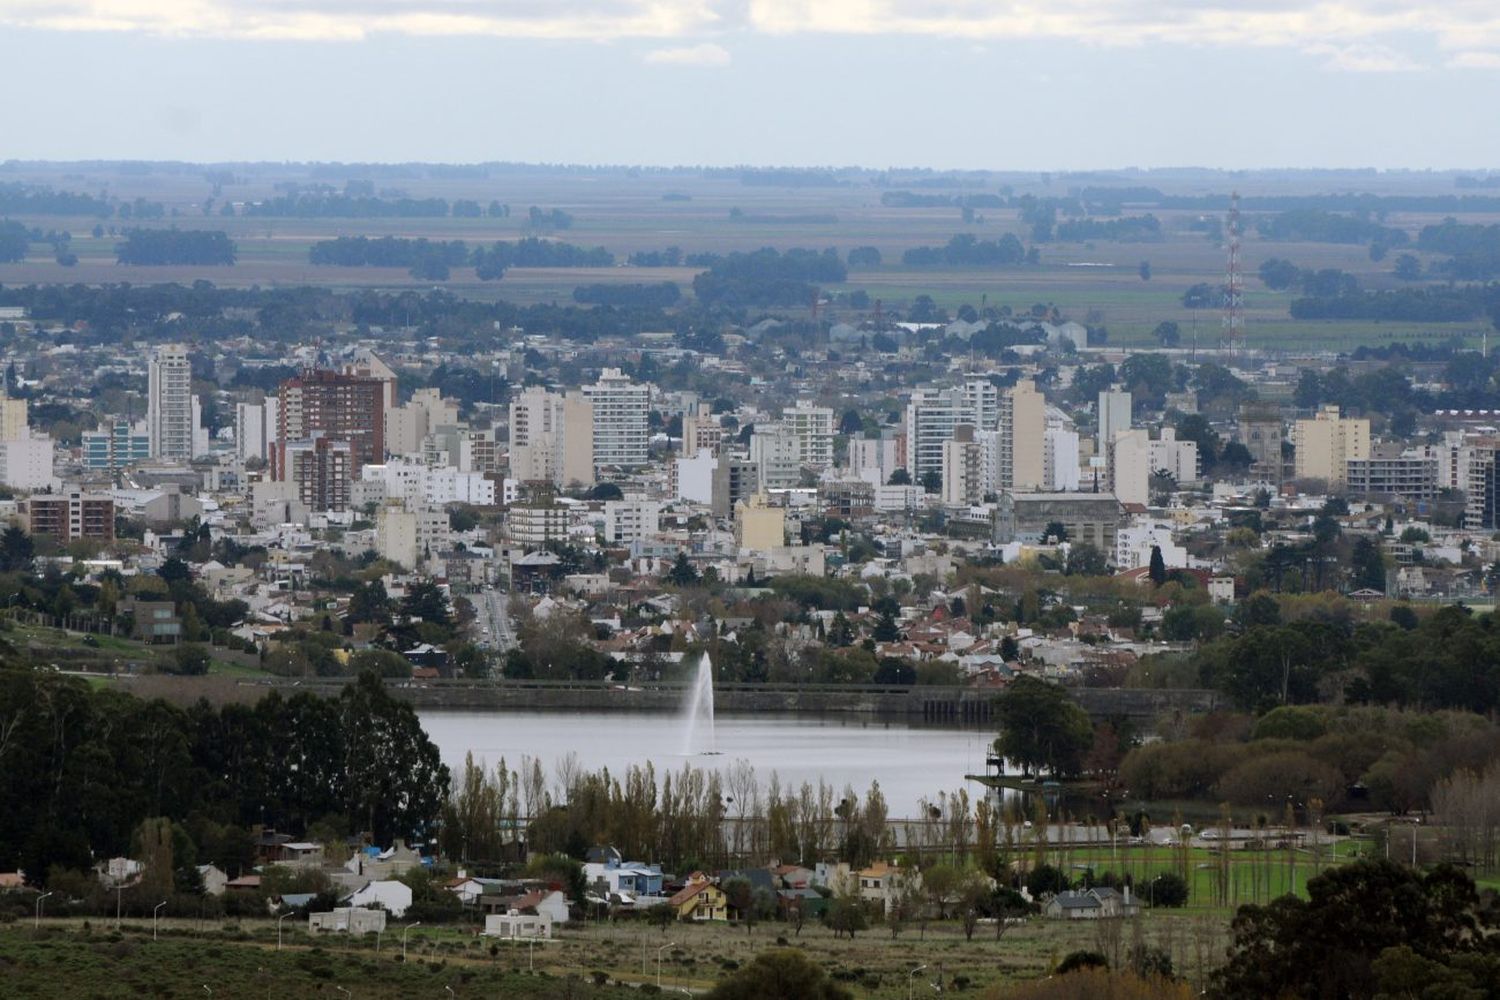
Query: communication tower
[(1234, 282)]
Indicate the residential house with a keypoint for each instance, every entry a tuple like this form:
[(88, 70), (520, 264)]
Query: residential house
[(700, 899), (347, 920), (213, 880), (881, 884), (391, 895), (517, 926), (1091, 904)]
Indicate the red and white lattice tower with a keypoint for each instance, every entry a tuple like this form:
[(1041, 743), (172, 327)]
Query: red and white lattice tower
[(1234, 282)]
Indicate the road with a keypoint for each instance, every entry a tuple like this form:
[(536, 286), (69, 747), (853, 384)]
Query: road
[(495, 632)]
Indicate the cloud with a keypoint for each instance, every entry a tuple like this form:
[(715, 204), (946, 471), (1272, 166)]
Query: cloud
[(1364, 58), (1475, 60), (706, 54), (1353, 35)]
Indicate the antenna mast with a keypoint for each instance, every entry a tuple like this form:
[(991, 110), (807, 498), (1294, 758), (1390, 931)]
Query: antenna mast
[(1234, 282)]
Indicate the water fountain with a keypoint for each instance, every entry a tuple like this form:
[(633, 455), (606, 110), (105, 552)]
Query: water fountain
[(698, 711)]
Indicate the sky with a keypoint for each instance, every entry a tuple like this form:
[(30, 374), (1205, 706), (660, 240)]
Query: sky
[(994, 84)]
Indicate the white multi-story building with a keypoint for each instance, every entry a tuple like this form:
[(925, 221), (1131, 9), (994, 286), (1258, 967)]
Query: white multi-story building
[(963, 468), (411, 481), (1178, 459), (170, 403), (693, 478), (776, 452), (1059, 453), (255, 428), (930, 418), (631, 519), (1133, 545), (981, 402), (874, 459), (26, 463), (1128, 463), (552, 437), (621, 420), (813, 428), (1114, 416)]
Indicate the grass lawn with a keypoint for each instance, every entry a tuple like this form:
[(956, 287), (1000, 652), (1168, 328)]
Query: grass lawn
[(65, 960)]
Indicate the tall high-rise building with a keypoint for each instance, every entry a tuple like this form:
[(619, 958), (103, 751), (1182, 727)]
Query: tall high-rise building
[(775, 451), (1023, 428), (552, 437), (813, 428), (1114, 416), (621, 420), (169, 403), (963, 468), (930, 418), (13, 420), (321, 468), (255, 427), (981, 402), (349, 408), (1326, 442)]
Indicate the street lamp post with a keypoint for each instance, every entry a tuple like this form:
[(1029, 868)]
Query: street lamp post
[(156, 918), (415, 923), (909, 977), (278, 929), (663, 948), (39, 907)]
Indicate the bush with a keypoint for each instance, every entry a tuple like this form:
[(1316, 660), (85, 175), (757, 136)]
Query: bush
[(1076, 960)]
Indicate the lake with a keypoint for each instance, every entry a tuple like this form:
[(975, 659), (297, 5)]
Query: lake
[(910, 762)]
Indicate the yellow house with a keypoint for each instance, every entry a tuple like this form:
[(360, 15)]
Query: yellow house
[(700, 899)]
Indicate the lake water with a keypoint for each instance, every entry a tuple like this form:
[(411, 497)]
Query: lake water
[(909, 762)]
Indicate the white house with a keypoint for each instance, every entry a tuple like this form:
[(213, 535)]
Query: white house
[(389, 894), (517, 926), (347, 920)]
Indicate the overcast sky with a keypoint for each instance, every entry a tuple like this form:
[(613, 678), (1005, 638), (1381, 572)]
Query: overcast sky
[(947, 83)]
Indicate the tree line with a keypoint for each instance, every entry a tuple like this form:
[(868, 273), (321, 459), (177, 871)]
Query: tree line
[(966, 250), (432, 260), (82, 767)]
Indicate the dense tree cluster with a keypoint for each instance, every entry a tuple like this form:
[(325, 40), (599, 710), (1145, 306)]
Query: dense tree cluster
[(1474, 249), (1451, 659), (965, 250), (1318, 226), (159, 247), (81, 768), (768, 277), (15, 240), (28, 199), (429, 259), (1367, 929), (1314, 757)]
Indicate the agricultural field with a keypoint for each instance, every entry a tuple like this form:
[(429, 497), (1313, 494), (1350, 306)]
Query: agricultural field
[(1097, 282)]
